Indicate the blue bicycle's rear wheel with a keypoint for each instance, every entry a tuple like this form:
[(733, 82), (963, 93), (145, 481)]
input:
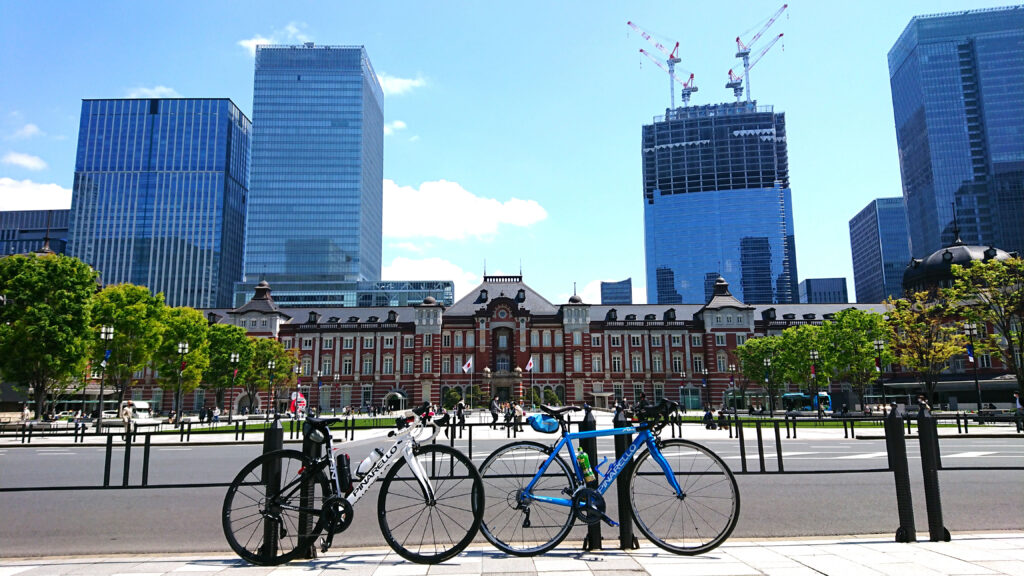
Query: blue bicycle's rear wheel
[(702, 516), (514, 522)]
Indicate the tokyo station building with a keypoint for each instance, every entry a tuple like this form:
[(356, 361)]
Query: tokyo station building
[(507, 339)]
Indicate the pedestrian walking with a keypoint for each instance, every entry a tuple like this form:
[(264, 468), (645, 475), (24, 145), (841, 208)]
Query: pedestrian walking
[(216, 414), (1019, 411), (518, 415), (494, 413), (460, 414), (25, 414), (126, 417)]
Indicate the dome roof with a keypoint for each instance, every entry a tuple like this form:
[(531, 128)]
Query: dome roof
[(937, 268), (575, 299), (430, 300)]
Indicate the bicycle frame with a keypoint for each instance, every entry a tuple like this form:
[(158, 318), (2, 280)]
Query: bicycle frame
[(644, 437)]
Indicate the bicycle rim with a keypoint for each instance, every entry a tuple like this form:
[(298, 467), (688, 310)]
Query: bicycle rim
[(431, 532), (698, 520), (267, 531), (506, 473)]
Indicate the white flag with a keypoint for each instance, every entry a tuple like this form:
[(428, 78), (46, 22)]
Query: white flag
[(529, 365), (468, 365)]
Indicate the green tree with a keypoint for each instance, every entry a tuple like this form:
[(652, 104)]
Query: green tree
[(136, 317), (550, 398), (992, 293), (262, 377), (921, 337), (849, 341), (44, 323), (184, 328), (228, 341), (792, 360), (752, 356), (451, 398)]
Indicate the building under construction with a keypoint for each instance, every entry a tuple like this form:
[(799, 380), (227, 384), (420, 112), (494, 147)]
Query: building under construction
[(717, 202)]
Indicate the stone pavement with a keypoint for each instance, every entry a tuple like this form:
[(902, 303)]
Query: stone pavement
[(966, 554)]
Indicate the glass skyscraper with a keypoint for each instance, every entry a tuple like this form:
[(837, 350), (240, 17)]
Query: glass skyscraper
[(881, 250), (315, 206), (958, 98), (620, 292), (159, 196), (823, 291), (717, 202), (23, 231)]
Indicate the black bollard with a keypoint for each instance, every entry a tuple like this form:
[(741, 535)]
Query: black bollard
[(896, 447), (312, 451), (273, 439), (589, 446), (627, 541), (928, 437)]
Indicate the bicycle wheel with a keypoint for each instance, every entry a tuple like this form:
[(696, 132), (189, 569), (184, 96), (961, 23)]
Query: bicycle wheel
[(517, 525), (425, 531), (261, 513), (700, 518)]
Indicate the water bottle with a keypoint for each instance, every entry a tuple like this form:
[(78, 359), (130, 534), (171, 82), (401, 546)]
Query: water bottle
[(584, 460), (368, 462)]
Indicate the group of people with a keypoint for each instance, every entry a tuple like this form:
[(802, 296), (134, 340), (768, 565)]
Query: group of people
[(513, 413), (711, 423)]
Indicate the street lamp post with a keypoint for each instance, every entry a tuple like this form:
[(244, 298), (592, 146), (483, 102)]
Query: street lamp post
[(815, 401), (234, 374), (732, 383), (879, 346), (704, 385), (682, 384), (298, 390), (971, 329), (182, 351), (272, 404), (107, 335), (768, 384)]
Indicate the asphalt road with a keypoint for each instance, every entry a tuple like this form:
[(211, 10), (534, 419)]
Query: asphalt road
[(188, 520)]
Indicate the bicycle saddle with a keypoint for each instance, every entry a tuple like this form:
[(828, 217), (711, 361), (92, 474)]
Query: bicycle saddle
[(558, 412)]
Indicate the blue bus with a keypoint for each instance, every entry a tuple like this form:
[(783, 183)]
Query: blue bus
[(803, 401)]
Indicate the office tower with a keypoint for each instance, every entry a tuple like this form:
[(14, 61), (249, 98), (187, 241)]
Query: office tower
[(717, 202), (314, 221), (823, 291), (23, 231), (159, 196), (881, 250), (617, 292), (958, 94)]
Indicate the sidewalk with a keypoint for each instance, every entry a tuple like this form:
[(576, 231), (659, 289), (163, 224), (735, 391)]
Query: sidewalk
[(966, 554)]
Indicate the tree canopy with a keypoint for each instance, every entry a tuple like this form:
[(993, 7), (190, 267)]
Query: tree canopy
[(921, 336), (44, 323), (136, 317), (182, 372)]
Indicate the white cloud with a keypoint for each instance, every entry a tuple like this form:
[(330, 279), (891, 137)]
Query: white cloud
[(291, 34), (25, 161), (395, 86), (431, 269), (448, 211), (154, 92), (392, 127), (29, 195), (409, 246), (27, 131)]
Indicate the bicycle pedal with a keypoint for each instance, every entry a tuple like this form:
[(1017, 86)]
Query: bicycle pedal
[(609, 521)]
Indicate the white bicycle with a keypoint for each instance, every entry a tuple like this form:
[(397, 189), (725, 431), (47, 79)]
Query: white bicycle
[(429, 508)]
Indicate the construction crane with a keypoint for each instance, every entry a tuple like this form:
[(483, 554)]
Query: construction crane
[(743, 51), (688, 86), (672, 58), (736, 82)]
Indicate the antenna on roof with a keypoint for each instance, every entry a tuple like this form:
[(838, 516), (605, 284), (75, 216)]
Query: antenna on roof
[(520, 267), (573, 288), (956, 227), (485, 266)]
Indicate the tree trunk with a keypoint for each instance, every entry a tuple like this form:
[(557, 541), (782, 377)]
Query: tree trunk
[(39, 392)]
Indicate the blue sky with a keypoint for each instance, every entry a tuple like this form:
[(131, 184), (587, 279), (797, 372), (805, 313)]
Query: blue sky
[(513, 128)]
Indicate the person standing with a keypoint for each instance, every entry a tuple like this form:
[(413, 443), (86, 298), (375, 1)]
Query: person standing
[(518, 410), (1019, 411), (126, 416), (460, 414), (216, 413), (494, 413), (25, 414)]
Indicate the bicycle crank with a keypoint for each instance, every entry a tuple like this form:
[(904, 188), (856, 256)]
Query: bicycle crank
[(588, 505), (338, 512)]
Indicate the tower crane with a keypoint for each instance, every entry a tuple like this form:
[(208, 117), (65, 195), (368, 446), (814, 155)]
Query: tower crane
[(672, 58), (688, 86), (736, 82), (743, 51)]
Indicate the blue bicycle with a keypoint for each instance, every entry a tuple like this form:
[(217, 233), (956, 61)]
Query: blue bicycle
[(682, 496)]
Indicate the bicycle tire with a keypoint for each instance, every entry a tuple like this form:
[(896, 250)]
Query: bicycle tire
[(247, 525), (702, 517), (431, 532), (506, 472)]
